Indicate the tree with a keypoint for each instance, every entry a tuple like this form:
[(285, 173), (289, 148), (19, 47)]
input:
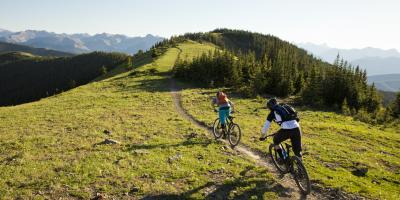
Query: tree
[(345, 108), (72, 84), (103, 70), (129, 63), (395, 106)]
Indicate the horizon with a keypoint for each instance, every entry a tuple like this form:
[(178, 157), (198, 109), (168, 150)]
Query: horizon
[(341, 24), (295, 43)]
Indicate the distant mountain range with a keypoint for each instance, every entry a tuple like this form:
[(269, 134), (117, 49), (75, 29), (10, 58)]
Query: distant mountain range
[(80, 43), (386, 82), (375, 61)]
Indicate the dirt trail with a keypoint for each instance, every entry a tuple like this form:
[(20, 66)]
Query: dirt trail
[(286, 181)]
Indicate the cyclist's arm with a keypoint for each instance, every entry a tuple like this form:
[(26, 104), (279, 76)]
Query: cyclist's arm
[(232, 105), (267, 124), (265, 128), (213, 103)]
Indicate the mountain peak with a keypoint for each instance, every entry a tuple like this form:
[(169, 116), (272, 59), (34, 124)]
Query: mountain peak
[(4, 30), (80, 42)]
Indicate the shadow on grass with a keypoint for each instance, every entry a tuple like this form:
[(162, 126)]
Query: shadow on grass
[(151, 82), (203, 143), (243, 187)]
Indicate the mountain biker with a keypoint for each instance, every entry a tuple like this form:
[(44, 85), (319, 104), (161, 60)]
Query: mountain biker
[(226, 107), (290, 128)]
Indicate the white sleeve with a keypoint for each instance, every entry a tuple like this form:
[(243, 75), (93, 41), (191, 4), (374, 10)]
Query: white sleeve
[(265, 128), (214, 101)]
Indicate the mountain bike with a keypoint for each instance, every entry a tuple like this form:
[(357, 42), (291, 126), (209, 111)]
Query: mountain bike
[(291, 164), (232, 131)]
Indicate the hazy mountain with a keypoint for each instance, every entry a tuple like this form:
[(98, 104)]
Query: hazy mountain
[(81, 42), (376, 65), (329, 54), (386, 82), (4, 33), (374, 60), (9, 47)]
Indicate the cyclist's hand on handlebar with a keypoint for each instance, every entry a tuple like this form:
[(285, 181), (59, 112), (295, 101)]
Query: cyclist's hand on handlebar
[(262, 138), (215, 110)]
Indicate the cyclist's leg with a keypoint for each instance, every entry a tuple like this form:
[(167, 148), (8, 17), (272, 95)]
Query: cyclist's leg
[(295, 138), (222, 117), (279, 137)]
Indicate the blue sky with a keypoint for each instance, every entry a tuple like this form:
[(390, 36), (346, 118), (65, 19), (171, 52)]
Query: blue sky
[(339, 23)]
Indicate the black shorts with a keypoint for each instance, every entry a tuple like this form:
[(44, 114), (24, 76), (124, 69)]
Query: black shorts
[(295, 138)]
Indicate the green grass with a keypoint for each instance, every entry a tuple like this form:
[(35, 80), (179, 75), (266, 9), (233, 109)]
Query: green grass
[(333, 144), (48, 148)]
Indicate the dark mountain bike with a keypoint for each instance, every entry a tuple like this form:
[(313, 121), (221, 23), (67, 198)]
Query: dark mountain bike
[(232, 131), (291, 164)]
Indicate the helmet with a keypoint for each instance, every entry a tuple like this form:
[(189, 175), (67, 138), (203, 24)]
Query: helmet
[(271, 103)]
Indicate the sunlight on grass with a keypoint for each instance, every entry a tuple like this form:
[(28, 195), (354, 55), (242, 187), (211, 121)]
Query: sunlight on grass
[(334, 145), (49, 148)]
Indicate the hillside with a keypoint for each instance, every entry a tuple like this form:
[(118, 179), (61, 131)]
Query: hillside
[(14, 57), (53, 148), (336, 146), (162, 155), (25, 78), (81, 43), (386, 82), (255, 64), (9, 47)]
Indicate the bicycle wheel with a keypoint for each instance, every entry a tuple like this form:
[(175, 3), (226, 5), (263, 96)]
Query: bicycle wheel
[(300, 175), (274, 157), (234, 134), (217, 130)]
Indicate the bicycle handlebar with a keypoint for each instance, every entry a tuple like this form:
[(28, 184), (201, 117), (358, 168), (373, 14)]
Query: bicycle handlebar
[(271, 135)]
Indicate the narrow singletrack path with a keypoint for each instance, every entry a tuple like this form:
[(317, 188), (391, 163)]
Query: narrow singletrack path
[(261, 160)]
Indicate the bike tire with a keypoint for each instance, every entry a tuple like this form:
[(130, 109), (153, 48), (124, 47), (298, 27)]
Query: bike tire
[(217, 131), (300, 175), (274, 155), (234, 135)]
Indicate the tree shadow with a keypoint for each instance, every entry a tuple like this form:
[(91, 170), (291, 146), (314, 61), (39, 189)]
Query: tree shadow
[(187, 143), (243, 187), (156, 82)]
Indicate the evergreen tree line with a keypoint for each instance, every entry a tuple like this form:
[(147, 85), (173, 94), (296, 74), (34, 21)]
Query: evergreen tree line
[(31, 79), (254, 63), (320, 85)]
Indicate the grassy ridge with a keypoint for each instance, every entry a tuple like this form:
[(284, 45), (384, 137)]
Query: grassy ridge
[(334, 145), (50, 148), (10, 47)]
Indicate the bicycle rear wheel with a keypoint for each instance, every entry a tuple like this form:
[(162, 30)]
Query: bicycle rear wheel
[(300, 175), (234, 134), (274, 157), (217, 130)]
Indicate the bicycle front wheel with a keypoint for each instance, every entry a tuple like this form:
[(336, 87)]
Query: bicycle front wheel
[(281, 166), (217, 130), (234, 134), (300, 175)]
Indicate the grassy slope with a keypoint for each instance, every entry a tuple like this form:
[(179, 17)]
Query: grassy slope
[(334, 144), (47, 148), (10, 47)]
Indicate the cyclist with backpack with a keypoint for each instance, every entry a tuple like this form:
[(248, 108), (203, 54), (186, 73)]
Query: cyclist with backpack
[(286, 117), (225, 108)]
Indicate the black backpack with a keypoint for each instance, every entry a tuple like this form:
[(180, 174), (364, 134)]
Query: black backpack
[(287, 112)]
